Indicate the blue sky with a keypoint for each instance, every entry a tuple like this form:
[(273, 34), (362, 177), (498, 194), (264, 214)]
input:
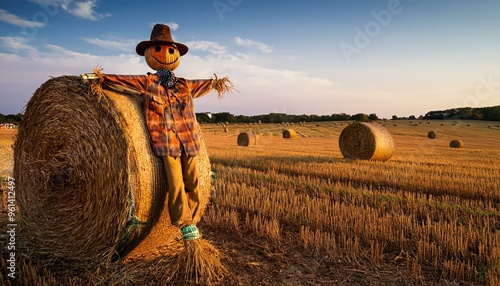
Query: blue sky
[(387, 57)]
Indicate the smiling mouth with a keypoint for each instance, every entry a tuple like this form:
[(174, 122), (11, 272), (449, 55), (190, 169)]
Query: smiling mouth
[(165, 63)]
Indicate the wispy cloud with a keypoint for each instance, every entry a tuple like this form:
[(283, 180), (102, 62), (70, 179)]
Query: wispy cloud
[(82, 9), (253, 44), (119, 45), (173, 26), (207, 46), (17, 44), (12, 19), (85, 9)]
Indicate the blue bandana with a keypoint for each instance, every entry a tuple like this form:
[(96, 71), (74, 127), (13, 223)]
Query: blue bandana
[(167, 78)]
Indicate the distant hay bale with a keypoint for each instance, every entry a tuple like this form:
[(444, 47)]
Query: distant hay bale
[(367, 141), (89, 186), (431, 135), (456, 144), (247, 139), (289, 133)]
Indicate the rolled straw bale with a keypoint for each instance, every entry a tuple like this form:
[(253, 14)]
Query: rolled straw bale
[(431, 135), (247, 139), (89, 185), (457, 144), (367, 141), (289, 133)]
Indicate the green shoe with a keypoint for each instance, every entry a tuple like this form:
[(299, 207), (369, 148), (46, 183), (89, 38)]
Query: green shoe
[(190, 232)]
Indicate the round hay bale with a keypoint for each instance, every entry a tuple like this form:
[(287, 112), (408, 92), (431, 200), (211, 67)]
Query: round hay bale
[(289, 133), (247, 139), (367, 141), (431, 135), (89, 187), (456, 144)]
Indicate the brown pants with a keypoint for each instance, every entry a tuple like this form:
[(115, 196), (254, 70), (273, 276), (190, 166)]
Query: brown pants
[(183, 195)]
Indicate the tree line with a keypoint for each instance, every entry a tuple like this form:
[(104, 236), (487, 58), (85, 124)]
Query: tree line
[(280, 118), (491, 113), (11, 118)]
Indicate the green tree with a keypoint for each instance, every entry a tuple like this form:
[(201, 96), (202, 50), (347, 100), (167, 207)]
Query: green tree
[(203, 118), (361, 117), (223, 117)]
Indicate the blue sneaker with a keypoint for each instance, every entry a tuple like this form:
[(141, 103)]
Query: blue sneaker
[(190, 232)]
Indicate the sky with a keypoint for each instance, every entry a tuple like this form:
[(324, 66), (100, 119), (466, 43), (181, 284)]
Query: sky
[(321, 57)]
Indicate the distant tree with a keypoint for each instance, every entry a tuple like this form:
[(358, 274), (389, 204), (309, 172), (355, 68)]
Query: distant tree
[(372, 117), (395, 117), (360, 117), (277, 118), (491, 113), (484, 113), (203, 118), (341, 117), (412, 117), (11, 118), (302, 118), (223, 117), (245, 119), (325, 118)]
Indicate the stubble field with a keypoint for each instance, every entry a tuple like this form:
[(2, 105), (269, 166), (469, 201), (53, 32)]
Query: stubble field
[(294, 212)]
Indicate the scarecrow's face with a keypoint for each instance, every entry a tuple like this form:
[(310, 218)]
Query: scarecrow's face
[(162, 57)]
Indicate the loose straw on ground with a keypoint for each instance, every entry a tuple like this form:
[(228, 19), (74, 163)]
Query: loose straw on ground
[(198, 263)]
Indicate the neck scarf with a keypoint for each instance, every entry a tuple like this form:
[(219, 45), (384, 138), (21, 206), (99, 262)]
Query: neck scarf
[(167, 78)]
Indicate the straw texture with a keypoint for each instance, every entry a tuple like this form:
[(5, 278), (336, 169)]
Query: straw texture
[(367, 141), (89, 186)]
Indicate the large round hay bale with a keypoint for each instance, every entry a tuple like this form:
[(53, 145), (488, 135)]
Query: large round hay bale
[(289, 133), (89, 186), (456, 144), (367, 141), (247, 139), (431, 135)]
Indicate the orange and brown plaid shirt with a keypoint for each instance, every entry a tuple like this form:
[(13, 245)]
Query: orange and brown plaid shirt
[(170, 115)]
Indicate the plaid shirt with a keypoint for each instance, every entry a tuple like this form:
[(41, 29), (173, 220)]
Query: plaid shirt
[(170, 113)]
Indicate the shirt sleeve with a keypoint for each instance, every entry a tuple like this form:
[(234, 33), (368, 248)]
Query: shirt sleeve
[(125, 83), (199, 87)]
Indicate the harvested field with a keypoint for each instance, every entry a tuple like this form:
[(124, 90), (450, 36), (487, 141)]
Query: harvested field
[(296, 213)]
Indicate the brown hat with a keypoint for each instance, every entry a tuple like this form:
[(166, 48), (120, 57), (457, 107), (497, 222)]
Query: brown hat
[(160, 35)]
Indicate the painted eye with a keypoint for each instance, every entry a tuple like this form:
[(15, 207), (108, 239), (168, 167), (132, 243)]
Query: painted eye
[(157, 48), (171, 51)]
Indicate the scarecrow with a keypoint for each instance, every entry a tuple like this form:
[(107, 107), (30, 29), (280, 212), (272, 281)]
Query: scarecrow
[(170, 119)]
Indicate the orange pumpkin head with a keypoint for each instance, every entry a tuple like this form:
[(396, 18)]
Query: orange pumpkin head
[(162, 56)]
